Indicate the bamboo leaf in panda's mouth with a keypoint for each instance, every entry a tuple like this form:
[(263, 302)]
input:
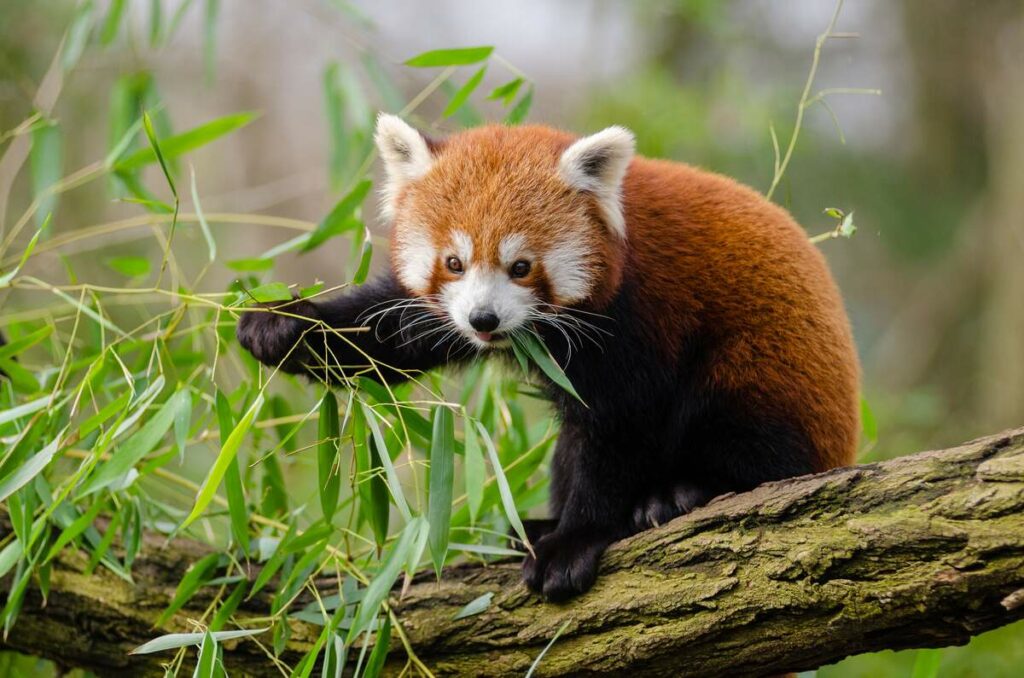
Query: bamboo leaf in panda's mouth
[(528, 347)]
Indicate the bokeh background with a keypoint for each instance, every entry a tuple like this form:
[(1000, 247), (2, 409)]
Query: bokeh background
[(933, 167)]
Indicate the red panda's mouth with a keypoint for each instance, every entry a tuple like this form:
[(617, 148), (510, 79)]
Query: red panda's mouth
[(491, 338)]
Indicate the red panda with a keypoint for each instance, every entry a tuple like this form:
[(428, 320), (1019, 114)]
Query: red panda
[(694, 318)]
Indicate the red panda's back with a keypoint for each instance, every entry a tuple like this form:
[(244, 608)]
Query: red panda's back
[(716, 257)]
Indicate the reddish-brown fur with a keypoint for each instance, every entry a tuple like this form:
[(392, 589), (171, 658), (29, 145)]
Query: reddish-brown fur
[(710, 254)]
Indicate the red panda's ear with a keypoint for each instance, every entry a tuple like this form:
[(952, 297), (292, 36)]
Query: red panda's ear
[(597, 164), (406, 155)]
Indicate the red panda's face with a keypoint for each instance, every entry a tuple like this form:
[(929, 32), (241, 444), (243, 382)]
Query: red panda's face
[(499, 228)]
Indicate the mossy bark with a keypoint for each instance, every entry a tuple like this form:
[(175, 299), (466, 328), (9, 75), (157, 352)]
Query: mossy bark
[(922, 551)]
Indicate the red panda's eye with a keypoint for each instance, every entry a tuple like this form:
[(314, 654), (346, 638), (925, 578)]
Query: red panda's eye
[(454, 265), (519, 269)]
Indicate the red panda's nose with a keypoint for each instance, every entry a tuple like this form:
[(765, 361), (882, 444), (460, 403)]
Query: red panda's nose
[(484, 320)]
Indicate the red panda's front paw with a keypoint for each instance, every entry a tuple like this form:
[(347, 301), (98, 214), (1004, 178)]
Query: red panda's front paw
[(272, 333), (565, 564)]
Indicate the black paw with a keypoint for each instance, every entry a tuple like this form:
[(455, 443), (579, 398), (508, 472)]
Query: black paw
[(565, 564), (273, 335), (661, 507)]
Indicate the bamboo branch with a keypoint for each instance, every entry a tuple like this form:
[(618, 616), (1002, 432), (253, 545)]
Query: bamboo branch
[(921, 551)]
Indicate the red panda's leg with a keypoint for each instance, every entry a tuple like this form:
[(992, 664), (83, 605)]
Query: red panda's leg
[(595, 483), (403, 335)]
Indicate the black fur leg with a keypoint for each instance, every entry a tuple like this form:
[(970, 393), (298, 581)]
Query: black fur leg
[(565, 564), (385, 348), (273, 333)]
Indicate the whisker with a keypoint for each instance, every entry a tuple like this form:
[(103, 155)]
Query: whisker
[(571, 310)]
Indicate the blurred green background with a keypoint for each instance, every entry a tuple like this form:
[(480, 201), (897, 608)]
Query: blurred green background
[(933, 167)]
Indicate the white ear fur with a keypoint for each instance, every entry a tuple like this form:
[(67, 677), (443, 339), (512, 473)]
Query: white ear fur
[(597, 164), (405, 154)]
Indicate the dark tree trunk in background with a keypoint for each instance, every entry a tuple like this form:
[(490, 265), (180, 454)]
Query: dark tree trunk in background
[(921, 551)]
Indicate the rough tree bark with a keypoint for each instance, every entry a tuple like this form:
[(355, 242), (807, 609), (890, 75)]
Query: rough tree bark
[(922, 551)]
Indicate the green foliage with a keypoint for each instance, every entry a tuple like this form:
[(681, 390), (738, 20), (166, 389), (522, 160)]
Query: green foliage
[(130, 408)]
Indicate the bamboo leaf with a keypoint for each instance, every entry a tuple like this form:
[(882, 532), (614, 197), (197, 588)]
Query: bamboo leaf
[(156, 21), (130, 267), (507, 500), (373, 493), (207, 663), (211, 244), (238, 510), (869, 425), (22, 379), (252, 264), (14, 413), (394, 484), (99, 551), (474, 472), (10, 555), (507, 92), (77, 35), (316, 533), (462, 56), (542, 358), (77, 526), (16, 595), (228, 451), (112, 22), (365, 256), (442, 469), (329, 436), (339, 218), (26, 342), (179, 144), (158, 152), (46, 160), (210, 37), (380, 651), (274, 563), (475, 606), (536, 662), (141, 443), (485, 550), (84, 308), (30, 469), (196, 575), (380, 586), (6, 278), (173, 641), (274, 291), (521, 109), (228, 607), (334, 112), (462, 95)]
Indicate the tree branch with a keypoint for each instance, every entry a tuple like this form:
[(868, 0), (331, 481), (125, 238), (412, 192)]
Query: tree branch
[(921, 551)]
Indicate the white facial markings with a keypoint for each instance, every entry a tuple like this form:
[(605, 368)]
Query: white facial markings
[(511, 249), (463, 247), (486, 288), (565, 264), (416, 258)]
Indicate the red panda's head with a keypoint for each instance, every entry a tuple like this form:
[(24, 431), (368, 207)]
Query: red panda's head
[(498, 226)]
